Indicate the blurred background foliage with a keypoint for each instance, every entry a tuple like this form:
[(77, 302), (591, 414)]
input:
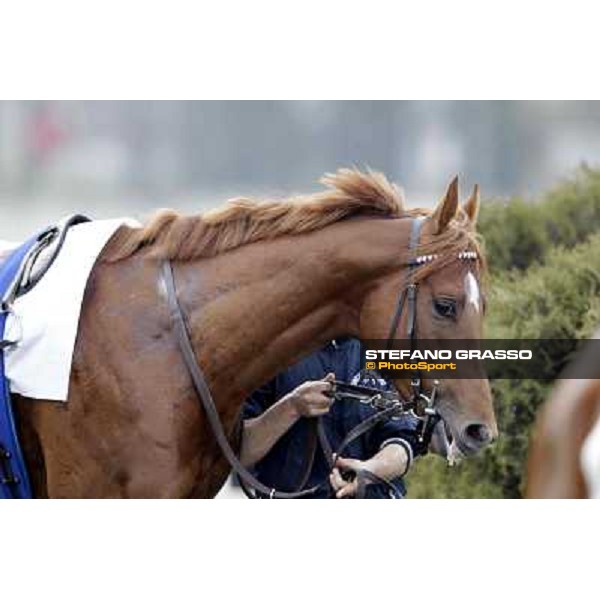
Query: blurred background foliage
[(518, 233), (544, 283)]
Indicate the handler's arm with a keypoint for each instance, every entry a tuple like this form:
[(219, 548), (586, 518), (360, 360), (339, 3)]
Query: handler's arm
[(261, 433), (391, 462)]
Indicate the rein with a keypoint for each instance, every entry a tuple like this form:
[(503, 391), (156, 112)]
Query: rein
[(388, 404), (203, 392)]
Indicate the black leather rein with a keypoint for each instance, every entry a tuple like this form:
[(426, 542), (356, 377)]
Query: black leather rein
[(205, 396)]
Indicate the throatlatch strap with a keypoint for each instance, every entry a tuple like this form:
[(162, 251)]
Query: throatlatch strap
[(396, 319)]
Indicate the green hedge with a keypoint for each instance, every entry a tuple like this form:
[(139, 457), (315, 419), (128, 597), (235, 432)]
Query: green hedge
[(557, 300), (519, 233)]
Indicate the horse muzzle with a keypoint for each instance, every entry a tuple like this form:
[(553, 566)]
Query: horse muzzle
[(470, 439)]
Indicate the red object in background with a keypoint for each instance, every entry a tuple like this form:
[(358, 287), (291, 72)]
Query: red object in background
[(46, 134)]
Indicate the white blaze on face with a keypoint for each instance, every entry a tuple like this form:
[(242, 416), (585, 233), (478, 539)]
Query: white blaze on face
[(472, 291)]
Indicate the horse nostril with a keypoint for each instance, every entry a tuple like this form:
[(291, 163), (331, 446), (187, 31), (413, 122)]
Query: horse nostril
[(479, 433)]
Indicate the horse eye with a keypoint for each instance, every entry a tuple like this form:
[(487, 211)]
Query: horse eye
[(445, 308)]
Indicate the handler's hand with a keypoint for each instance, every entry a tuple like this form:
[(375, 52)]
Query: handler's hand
[(310, 399), (343, 488)]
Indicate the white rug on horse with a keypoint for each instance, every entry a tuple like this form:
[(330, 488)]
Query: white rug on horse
[(590, 461), (45, 319)]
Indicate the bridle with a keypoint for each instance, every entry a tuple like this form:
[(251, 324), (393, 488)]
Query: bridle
[(420, 403), (387, 404)]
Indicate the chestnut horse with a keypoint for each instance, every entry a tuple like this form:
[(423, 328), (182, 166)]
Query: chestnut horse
[(562, 430), (261, 285)]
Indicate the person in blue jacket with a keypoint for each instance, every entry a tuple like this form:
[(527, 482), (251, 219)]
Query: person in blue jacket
[(275, 433)]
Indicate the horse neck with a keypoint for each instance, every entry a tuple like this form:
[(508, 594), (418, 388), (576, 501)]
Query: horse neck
[(256, 310)]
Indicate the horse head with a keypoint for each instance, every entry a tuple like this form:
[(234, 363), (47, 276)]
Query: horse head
[(447, 269)]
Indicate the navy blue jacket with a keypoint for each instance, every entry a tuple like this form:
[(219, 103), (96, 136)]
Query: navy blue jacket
[(282, 467)]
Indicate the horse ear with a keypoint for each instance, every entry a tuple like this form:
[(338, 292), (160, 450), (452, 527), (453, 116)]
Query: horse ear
[(446, 209), (471, 206)]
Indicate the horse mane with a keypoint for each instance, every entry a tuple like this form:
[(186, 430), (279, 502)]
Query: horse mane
[(348, 193)]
